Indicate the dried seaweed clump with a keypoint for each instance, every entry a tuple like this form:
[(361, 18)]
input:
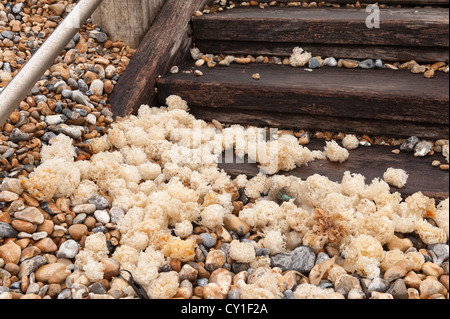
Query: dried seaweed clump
[(327, 228)]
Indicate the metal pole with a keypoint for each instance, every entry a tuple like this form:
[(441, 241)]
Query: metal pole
[(43, 58)]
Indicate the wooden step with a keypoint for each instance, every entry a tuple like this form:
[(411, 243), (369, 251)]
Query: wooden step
[(388, 2), (381, 101), (371, 162), (326, 32)]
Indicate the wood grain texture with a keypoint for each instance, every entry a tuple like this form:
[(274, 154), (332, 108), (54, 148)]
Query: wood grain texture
[(426, 27), (371, 162), (320, 123), (359, 52), (127, 20), (330, 92), (166, 44)]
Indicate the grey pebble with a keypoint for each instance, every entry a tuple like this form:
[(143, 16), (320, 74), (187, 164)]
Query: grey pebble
[(208, 240), (39, 235), (367, 64), (314, 63), (82, 86), (378, 284), (330, 62), (7, 231), (97, 288), (55, 119), (18, 136), (65, 294), (202, 282), (289, 294), (116, 213), (99, 229), (238, 267), (102, 216), (439, 252), (70, 131), (66, 94), (7, 35), (234, 294), (300, 259), (378, 63), (68, 249), (98, 36), (321, 256), (78, 96), (324, 284), (31, 265), (40, 98), (398, 289), (262, 251), (422, 148), (8, 153), (408, 144), (100, 202)]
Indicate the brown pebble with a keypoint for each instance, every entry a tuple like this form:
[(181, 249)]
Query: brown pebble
[(29, 252), (431, 269), (212, 290), (12, 268), (412, 280), (52, 271), (46, 226), (46, 245), (436, 66), (444, 280), (198, 291), (429, 287), (22, 226), (188, 272), (398, 270), (234, 223), (223, 278), (429, 74), (14, 117), (184, 293), (175, 264), (413, 293), (399, 243), (350, 64), (215, 259), (5, 217)]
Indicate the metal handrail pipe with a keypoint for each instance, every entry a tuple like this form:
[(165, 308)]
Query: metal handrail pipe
[(21, 85)]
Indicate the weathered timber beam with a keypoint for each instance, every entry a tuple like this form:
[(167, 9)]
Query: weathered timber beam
[(166, 44)]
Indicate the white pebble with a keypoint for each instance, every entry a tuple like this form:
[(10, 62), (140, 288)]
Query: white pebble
[(102, 216)]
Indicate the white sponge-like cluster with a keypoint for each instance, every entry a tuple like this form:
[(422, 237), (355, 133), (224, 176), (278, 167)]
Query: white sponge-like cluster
[(166, 180), (242, 252), (350, 142), (299, 57), (396, 177), (336, 153)]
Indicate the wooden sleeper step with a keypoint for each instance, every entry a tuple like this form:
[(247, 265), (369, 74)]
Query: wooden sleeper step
[(371, 162), (377, 101), (326, 31)]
